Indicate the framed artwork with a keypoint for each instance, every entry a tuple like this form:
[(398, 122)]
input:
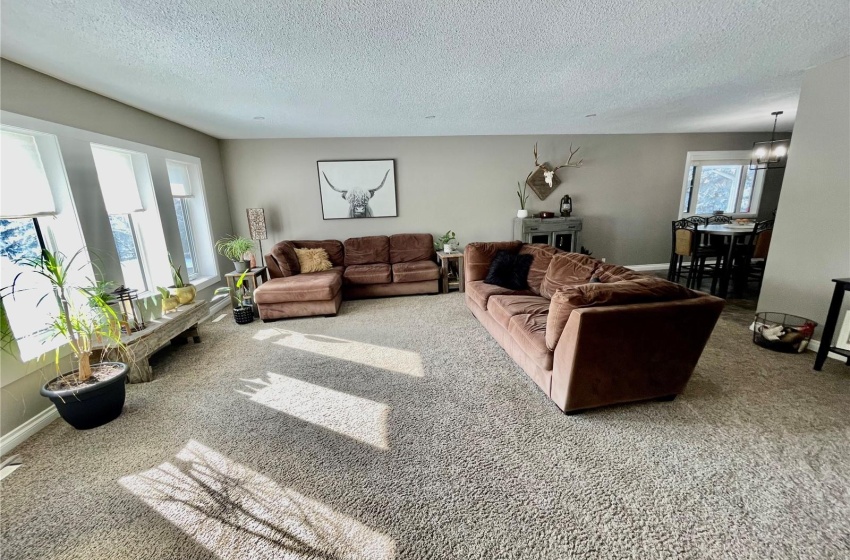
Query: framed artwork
[(357, 189)]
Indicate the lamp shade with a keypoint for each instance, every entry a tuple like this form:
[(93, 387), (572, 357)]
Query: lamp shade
[(25, 189), (257, 223)]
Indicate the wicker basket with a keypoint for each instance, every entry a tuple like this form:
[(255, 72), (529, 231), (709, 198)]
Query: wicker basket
[(782, 332), (243, 315)]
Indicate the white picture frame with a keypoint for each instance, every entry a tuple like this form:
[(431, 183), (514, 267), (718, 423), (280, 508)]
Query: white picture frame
[(352, 189)]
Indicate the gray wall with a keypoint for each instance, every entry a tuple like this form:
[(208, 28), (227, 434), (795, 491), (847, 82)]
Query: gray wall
[(31, 93), (627, 191), (811, 239)]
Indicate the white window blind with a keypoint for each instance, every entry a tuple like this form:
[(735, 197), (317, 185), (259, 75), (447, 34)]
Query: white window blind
[(25, 188), (178, 176), (117, 180)]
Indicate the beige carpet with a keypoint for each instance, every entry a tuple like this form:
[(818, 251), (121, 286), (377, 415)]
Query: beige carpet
[(401, 430)]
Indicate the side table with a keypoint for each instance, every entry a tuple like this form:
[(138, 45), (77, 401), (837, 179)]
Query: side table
[(841, 285), (252, 278), (444, 261)]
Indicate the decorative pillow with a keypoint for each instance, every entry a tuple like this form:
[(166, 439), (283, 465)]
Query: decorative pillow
[(509, 271), (313, 260)]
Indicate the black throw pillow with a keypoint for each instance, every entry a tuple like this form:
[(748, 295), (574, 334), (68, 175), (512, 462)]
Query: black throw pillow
[(509, 271)]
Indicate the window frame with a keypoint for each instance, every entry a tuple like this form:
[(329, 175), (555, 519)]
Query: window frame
[(190, 237), (691, 185)]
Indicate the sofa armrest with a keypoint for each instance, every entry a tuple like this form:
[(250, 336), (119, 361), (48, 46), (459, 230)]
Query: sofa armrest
[(478, 256), (624, 353)]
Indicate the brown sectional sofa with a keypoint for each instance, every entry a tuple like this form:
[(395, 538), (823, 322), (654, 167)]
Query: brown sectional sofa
[(374, 266), (588, 333)]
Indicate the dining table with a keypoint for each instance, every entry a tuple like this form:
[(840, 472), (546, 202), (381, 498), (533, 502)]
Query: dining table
[(731, 234)]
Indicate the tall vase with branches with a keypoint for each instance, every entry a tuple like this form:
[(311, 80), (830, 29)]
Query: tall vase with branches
[(523, 199)]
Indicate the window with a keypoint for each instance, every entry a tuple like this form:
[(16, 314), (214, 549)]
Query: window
[(193, 224), (181, 190), (37, 213), (117, 177), (720, 182)]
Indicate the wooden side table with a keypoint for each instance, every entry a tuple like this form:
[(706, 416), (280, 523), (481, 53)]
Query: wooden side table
[(445, 258), (252, 278), (841, 285)]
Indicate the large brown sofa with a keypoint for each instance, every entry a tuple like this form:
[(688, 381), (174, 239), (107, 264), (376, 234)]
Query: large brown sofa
[(588, 333), (363, 267)]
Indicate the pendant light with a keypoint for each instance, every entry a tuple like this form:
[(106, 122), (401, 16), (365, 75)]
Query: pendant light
[(770, 155)]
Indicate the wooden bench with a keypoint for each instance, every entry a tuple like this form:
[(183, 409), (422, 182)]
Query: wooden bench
[(178, 326)]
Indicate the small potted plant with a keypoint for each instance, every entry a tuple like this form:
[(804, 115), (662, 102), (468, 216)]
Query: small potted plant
[(234, 248), (446, 242), (523, 199), (242, 300), (169, 302), (185, 293), (91, 394)]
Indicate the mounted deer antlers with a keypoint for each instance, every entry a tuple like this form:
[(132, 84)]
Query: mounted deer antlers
[(549, 174)]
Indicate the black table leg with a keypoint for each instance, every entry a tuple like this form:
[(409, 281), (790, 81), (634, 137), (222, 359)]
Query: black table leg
[(726, 271), (829, 326)]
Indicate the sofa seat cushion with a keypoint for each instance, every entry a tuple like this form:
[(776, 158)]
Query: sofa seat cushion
[(529, 333), (374, 249), (567, 269), (415, 271), (368, 274), (479, 292), (502, 308), (411, 247), (542, 254), (315, 286)]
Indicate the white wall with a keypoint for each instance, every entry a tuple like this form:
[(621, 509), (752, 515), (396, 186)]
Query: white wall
[(811, 239), (26, 92), (627, 191)]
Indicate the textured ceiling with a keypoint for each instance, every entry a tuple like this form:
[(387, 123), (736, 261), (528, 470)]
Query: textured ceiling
[(369, 68)]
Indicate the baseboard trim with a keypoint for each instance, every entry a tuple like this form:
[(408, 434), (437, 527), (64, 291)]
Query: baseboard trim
[(216, 307), (814, 346), (642, 267), (10, 441)]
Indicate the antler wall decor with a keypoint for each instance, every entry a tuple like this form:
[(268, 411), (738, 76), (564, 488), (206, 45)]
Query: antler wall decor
[(543, 180)]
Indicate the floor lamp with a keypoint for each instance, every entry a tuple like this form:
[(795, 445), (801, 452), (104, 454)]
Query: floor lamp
[(257, 229)]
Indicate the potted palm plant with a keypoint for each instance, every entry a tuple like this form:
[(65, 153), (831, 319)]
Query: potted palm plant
[(184, 292), (234, 248), (92, 394)]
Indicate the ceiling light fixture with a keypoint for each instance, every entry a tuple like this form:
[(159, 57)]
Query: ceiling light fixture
[(773, 154), (259, 118), (431, 117), (590, 115)]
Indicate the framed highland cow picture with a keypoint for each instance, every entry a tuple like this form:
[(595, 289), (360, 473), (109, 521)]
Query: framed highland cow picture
[(357, 189)]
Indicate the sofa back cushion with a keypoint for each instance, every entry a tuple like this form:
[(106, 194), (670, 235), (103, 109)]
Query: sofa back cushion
[(334, 248), (567, 269), (608, 273), (411, 247), (477, 257), (282, 260), (645, 289), (541, 257), (374, 249)]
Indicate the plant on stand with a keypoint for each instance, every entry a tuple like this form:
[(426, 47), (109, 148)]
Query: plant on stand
[(241, 299), (234, 248), (185, 293), (91, 394), (446, 242), (523, 199)]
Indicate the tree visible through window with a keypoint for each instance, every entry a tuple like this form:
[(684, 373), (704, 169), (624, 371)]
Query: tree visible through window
[(715, 183)]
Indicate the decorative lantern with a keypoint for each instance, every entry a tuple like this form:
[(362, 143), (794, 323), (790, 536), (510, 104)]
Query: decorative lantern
[(128, 306)]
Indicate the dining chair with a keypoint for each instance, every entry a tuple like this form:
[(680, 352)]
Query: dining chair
[(752, 257), (686, 243)]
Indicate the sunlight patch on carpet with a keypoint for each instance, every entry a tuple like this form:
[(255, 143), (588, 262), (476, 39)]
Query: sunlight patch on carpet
[(383, 357), (349, 415), (235, 512)]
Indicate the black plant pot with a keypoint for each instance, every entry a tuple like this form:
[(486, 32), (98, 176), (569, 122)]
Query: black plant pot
[(93, 405), (243, 315)]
